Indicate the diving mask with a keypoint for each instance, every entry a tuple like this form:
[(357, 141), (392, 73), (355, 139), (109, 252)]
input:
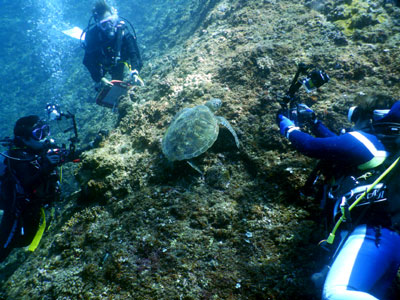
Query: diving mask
[(40, 133), (108, 22)]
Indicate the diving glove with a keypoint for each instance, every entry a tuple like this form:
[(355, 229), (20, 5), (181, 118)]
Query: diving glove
[(102, 83), (53, 157), (286, 126), (105, 82), (136, 80)]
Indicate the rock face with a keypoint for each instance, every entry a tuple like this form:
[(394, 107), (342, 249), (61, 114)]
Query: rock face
[(143, 229)]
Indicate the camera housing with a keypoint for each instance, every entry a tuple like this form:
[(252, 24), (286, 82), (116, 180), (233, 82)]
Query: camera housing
[(53, 112), (61, 152), (315, 79), (291, 105), (301, 114)]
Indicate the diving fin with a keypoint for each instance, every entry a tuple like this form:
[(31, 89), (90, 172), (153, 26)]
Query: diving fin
[(75, 33)]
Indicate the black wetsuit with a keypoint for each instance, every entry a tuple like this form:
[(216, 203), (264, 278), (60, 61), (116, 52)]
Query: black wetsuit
[(28, 185), (100, 53)]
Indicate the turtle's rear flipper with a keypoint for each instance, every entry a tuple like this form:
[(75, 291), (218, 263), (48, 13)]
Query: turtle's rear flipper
[(225, 123), (195, 167)]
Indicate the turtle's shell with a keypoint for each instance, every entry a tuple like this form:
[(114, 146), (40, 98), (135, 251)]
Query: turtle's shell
[(191, 133)]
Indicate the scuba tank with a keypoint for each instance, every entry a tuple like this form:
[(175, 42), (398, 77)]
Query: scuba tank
[(119, 34)]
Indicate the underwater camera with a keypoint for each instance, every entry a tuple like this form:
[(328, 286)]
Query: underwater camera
[(53, 112), (291, 106)]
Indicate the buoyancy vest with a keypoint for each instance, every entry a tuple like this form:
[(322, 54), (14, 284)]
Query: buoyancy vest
[(372, 197), (348, 189)]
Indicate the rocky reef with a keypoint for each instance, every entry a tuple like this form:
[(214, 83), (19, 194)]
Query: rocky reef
[(142, 228)]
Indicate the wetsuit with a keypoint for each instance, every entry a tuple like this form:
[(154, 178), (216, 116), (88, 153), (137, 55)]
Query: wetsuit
[(28, 185), (100, 53), (369, 259)]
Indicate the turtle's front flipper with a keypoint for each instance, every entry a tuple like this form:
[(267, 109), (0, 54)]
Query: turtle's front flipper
[(225, 123)]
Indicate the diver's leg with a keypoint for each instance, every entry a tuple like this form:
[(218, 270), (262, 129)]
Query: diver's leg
[(117, 72), (30, 221), (8, 230), (365, 266)]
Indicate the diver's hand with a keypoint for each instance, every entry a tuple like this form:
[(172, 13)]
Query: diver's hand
[(105, 82), (102, 83), (286, 126), (53, 157), (306, 114), (49, 161), (136, 80)]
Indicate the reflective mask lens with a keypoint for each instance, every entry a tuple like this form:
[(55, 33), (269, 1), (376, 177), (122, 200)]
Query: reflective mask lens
[(41, 132)]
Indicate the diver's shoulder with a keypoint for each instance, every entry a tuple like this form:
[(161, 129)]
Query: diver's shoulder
[(92, 39), (364, 135), (92, 33)]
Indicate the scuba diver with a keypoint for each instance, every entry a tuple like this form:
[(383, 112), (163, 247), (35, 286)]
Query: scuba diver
[(29, 182), (362, 188), (110, 47)]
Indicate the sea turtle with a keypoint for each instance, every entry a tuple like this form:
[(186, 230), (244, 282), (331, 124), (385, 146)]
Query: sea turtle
[(193, 131)]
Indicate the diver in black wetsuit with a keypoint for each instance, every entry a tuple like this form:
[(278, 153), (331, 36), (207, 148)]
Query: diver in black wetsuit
[(29, 183), (110, 47)]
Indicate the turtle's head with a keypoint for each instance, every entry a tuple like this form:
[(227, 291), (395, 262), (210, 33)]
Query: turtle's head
[(214, 104)]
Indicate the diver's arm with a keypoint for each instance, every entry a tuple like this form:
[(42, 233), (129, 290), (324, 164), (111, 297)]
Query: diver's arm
[(315, 147), (133, 51), (350, 149), (76, 154), (30, 174), (320, 130), (92, 57), (93, 66)]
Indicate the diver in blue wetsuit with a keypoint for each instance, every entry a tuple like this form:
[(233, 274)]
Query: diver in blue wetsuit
[(368, 248)]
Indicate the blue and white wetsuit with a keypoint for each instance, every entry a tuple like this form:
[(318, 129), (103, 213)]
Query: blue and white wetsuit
[(355, 148), (365, 267), (369, 259)]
